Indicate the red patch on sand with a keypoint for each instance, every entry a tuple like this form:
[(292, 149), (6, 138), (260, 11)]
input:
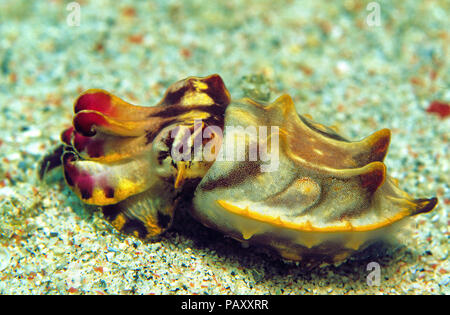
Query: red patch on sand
[(440, 108)]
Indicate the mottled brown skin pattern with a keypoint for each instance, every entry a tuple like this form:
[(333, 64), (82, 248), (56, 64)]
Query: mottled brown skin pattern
[(328, 197)]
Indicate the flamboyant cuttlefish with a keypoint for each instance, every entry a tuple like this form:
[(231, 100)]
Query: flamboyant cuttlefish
[(263, 174)]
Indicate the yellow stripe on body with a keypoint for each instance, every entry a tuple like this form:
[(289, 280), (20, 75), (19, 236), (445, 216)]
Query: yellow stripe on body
[(307, 226)]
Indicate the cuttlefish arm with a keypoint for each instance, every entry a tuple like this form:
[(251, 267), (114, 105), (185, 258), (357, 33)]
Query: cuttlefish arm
[(118, 155)]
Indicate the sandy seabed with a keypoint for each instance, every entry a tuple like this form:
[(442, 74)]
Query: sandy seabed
[(335, 66)]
